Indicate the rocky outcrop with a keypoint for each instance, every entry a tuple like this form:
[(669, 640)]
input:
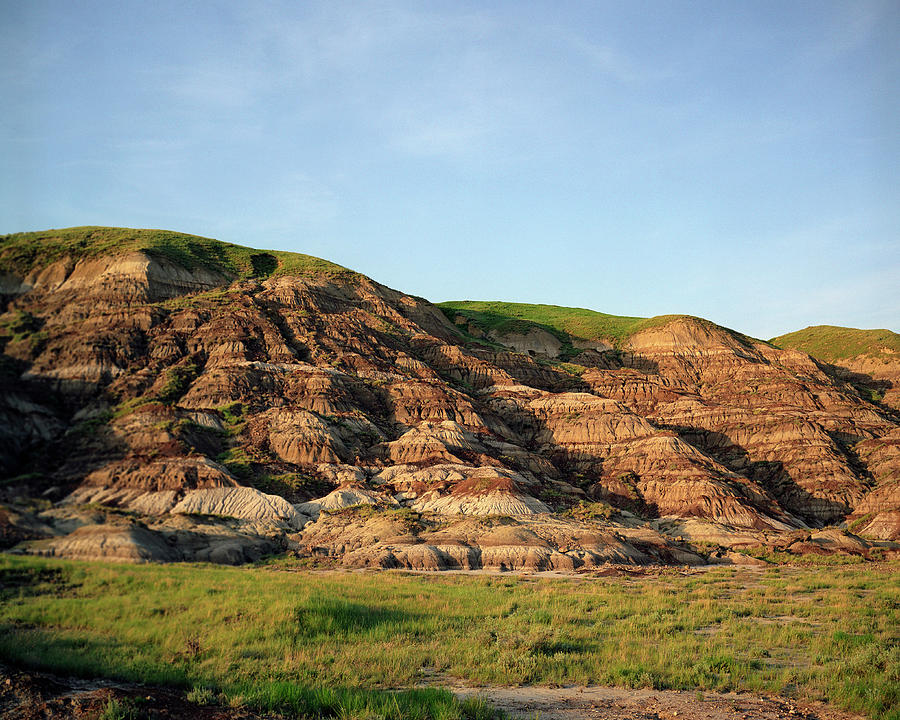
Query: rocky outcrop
[(131, 543), (343, 498), (534, 341), (240, 502), (396, 540), (879, 374), (171, 541), (484, 491), (877, 515)]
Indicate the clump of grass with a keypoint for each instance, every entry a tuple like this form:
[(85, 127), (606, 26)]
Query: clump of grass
[(289, 485), (21, 327), (202, 695), (571, 368), (118, 710), (860, 522), (233, 415), (238, 463), (585, 511), (178, 380), (127, 407)]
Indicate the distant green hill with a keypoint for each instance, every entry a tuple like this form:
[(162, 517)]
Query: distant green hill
[(831, 343), (563, 322), (23, 252)]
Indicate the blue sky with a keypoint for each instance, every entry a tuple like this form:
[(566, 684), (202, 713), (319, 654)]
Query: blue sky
[(734, 160)]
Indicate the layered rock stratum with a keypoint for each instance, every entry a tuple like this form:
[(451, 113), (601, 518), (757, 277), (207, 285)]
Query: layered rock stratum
[(167, 397)]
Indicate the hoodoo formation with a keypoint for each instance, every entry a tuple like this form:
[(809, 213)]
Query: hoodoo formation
[(167, 397)]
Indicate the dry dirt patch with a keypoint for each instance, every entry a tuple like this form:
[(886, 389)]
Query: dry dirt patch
[(27, 695), (603, 703)]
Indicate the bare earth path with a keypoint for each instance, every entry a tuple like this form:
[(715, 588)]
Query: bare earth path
[(30, 695), (602, 703)]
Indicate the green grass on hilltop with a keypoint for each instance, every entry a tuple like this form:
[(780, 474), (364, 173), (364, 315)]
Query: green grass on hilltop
[(339, 644), (563, 322), (831, 343), (23, 252)]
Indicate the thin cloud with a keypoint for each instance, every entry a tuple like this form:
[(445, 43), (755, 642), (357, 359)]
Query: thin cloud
[(852, 26), (604, 60), (217, 86)]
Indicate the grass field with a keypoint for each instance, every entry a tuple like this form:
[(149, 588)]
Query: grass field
[(566, 323), (23, 252), (340, 643), (831, 344)]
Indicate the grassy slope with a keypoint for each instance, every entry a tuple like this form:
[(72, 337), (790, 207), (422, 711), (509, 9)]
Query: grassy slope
[(22, 252), (831, 343), (563, 322), (321, 642)]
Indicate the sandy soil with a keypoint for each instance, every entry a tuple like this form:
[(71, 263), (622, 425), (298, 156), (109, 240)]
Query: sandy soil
[(602, 703), (42, 696)]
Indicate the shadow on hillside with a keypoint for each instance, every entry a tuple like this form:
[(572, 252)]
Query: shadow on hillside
[(770, 474), (44, 448), (640, 363), (870, 388)]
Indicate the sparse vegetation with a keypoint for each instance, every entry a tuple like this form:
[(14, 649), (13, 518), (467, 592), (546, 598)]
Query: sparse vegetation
[(19, 324), (341, 643), (290, 485), (233, 415), (238, 463), (118, 710), (592, 511), (860, 522), (178, 380), (129, 406), (21, 327), (571, 368)]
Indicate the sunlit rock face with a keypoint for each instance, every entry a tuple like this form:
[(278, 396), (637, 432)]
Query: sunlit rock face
[(165, 412)]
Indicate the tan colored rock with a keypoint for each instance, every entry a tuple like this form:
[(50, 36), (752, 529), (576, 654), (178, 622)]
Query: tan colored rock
[(444, 442), (301, 437), (131, 543), (533, 342), (240, 502), (345, 497), (533, 543), (178, 473), (167, 540)]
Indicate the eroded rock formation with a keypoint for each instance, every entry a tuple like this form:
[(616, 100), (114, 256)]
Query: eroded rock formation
[(207, 414)]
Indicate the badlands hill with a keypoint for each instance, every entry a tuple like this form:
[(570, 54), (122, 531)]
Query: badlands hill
[(868, 358), (170, 397)]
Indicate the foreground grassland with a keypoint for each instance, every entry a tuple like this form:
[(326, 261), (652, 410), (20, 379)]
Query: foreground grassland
[(334, 643)]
